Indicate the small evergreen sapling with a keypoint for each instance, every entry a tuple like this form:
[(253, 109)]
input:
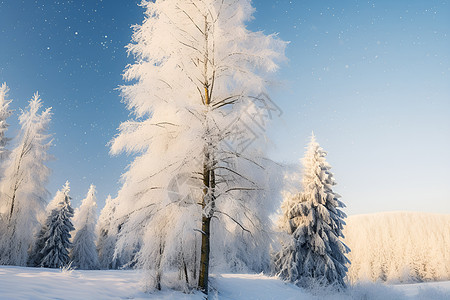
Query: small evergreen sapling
[(55, 251), (84, 253), (314, 253)]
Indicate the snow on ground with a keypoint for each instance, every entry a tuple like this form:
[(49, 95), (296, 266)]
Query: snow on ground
[(41, 283), (254, 287), (429, 290)]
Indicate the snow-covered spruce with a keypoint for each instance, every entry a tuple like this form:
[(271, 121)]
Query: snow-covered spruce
[(313, 253), (22, 187), (35, 256), (197, 94), (107, 236), (84, 253), (5, 113), (55, 240)]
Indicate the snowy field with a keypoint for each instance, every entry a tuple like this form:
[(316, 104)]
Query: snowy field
[(40, 283)]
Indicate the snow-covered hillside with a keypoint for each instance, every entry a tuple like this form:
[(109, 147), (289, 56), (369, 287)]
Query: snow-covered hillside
[(399, 247), (41, 283)]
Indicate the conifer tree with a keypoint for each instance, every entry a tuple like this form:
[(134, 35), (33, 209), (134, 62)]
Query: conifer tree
[(314, 252), (84, 253), (23, 191), (35, 256), (57, 198), (55, 240), (107, 236)]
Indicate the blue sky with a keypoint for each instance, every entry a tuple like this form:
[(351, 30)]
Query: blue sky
[(370, 78)]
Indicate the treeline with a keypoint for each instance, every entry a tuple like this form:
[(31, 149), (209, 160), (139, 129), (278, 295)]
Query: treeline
[(399, 247), (308, 246), (54, 235), (32, 232)]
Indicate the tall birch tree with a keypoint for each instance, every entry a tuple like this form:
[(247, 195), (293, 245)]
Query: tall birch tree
[(23, 191), (198, 79)]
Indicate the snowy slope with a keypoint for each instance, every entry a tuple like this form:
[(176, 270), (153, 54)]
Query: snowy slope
[(40, 283)]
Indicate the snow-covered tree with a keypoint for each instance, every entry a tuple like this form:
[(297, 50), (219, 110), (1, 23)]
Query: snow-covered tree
[(84, 253), (5, 113), (107, 236), (35, 256), (200, 79), (23, 190), (314, 252), (57, 198), (35, 252), (53, 245)]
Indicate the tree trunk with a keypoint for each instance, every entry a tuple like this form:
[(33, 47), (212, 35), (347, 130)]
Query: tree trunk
[(208, 184), (13, 199), (206, 224), (204, 259), (12, 208)]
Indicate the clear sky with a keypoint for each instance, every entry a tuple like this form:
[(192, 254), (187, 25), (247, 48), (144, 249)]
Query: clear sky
[(370, 78)]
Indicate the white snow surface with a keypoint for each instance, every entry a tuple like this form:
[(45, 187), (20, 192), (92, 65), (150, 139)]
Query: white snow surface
[(42, 283)]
